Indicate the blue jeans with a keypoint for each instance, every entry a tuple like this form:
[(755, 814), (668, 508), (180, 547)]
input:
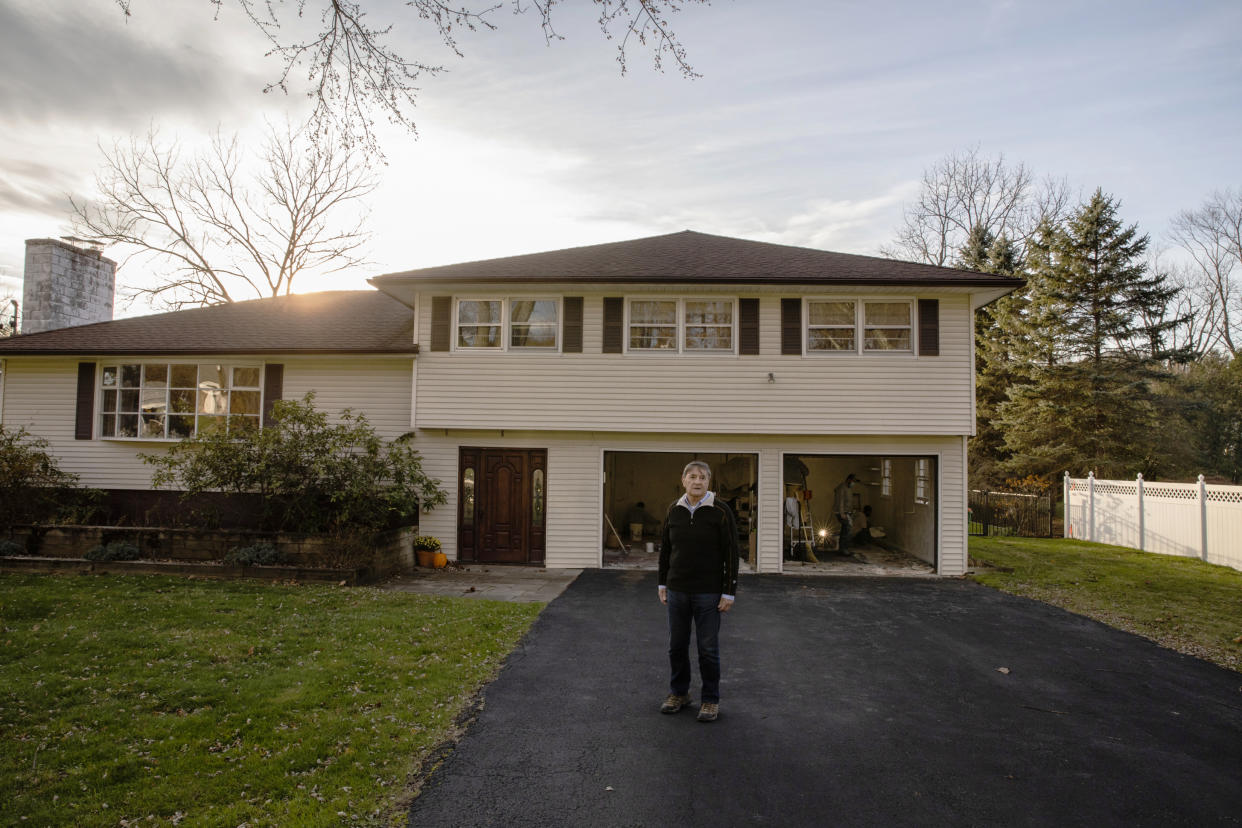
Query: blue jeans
[(699, 608)]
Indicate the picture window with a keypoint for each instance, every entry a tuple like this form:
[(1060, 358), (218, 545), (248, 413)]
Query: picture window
[(173, 401)]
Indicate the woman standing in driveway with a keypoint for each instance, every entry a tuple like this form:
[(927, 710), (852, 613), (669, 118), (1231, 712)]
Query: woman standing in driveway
[(698, 582)]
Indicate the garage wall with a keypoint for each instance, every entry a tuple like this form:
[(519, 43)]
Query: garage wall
[(575, 527)]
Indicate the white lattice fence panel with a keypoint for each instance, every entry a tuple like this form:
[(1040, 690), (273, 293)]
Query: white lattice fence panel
[(1172, 516), (1174, 520), (1224, 513), (1076, 521), (1116, 513)]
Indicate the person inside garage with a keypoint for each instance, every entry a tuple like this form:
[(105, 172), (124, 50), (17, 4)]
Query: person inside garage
[(843, 506)]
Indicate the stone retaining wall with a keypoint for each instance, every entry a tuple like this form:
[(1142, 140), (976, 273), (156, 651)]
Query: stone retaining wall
[(392, 553)]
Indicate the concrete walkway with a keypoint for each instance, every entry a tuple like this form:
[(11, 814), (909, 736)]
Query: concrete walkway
[(845, 702)]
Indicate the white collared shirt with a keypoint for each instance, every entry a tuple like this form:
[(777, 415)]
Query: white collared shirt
[(706, 500)]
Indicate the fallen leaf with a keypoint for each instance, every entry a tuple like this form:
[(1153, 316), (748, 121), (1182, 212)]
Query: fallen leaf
[(1004, 670), (608, 788)]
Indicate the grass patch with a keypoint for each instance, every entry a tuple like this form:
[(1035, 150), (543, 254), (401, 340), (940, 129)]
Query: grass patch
[(1180, 603), (150, 700)]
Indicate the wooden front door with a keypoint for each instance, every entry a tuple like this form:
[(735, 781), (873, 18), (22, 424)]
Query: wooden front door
[(502, 503)]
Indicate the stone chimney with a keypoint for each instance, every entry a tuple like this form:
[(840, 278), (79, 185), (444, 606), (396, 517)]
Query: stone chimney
[(67, 282)]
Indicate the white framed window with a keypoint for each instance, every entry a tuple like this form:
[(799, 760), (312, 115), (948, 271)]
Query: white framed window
[(831, 325), (886, 326), (176, 400), (533, 323), (886, 477), (480, 323), (692, 325), (856, 326), (922, 481), (708, 324), (507, 324)]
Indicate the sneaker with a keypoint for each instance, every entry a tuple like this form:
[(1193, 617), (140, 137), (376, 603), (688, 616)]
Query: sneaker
[(708, 711), (674, 703)]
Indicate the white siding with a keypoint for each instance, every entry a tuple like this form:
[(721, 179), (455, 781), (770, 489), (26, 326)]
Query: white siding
[(575, 529), (817, 394), (41, 395)]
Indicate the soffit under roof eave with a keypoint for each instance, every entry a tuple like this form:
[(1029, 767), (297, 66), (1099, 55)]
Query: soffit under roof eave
[(404, 289)]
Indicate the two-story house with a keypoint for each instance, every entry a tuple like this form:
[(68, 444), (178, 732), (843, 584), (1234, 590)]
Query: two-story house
[(552, 392)]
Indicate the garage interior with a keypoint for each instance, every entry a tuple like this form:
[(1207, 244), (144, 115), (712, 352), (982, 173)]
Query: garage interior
[(653, 479), (901, 494)]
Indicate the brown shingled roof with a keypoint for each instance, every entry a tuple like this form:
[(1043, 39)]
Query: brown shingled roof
[(697, 258), (336, 321)]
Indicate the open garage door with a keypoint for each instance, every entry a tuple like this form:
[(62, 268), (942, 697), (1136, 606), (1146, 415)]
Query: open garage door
[(894, 498), (639, 486)]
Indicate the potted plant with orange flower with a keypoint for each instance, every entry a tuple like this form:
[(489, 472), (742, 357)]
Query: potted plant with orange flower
[(426, 548)]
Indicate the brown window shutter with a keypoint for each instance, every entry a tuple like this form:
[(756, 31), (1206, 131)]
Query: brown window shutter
[(571, 330), (929, 327), (748, 326), (84, 423), (614, 318), (791, 326), (273, 388), (441, 322)]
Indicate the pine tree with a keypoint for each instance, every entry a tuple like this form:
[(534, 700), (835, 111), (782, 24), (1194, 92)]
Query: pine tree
[(1083, 403), (995, 346)]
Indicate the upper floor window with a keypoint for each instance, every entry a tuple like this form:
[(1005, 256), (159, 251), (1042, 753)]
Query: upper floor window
[(688, 325), (163, 400), (507, 323), (854, 326)]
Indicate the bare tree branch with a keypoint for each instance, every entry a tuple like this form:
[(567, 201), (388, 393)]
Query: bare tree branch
[(352, 69), (1212, 235), (221, 235), (964, 191)]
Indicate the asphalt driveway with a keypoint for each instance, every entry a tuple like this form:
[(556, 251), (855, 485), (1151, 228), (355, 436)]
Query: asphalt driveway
[(845, 702)]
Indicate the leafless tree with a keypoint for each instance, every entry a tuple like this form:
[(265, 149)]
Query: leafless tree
[(963, 191), (223, 232), (8, 313), (1212, 235), (352, 67)]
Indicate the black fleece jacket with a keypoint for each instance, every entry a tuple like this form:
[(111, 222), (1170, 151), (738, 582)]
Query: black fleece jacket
[(698, 553)]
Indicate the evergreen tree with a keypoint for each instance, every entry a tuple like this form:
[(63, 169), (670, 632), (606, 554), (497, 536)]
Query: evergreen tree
[(1083, 402), (995, 347)]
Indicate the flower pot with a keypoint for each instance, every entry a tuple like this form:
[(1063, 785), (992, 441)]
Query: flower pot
[(439, 560), (426, 557)]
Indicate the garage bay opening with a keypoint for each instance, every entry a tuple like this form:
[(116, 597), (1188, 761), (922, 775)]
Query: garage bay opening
[(892, 509), (639, 487)]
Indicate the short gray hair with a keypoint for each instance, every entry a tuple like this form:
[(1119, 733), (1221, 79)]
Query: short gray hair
[(697, 464)]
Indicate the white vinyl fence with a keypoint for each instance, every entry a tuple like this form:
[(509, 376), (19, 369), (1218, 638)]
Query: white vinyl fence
[(1196, 520)]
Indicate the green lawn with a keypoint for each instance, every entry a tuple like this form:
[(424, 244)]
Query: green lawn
[(148, 700), (1180, 603)]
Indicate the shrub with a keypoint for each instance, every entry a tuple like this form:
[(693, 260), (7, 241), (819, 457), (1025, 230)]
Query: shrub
[(426, 542), (113, 551), (9, 548), (312, 475), (33, 489), (257, 554)]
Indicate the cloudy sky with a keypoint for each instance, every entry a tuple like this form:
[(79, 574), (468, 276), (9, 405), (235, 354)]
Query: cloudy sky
[(812, 123)]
